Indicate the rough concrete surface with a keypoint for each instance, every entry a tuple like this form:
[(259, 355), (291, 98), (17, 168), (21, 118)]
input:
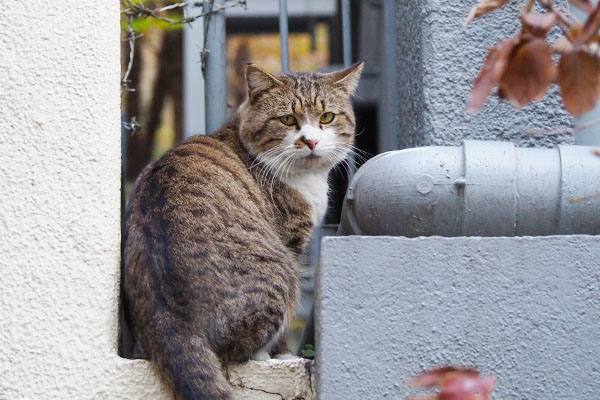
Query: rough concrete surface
[(437, 64), (524, 309), (274, 380), (60, 171)]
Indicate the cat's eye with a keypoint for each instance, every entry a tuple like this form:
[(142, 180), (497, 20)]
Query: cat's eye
[(326, 117), (288, 120)]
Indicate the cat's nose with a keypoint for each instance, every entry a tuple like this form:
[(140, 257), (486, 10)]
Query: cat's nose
[(311, 143)]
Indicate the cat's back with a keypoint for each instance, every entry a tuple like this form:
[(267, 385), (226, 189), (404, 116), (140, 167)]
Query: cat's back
[(203, 179)]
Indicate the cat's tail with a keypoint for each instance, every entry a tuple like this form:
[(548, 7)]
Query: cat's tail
[(188, 365)]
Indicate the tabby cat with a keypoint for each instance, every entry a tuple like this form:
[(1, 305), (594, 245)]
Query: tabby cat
[(214, 228)]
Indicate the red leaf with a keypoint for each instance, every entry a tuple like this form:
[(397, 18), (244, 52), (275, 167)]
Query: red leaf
[(538, 24), (468, 388), (579, 81), (457, 383), (493, 68), (529, 73), (484, 7)]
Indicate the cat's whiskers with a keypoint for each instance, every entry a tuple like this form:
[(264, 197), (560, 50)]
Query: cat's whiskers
[(278, 169), (260, 159), (289, 169), (269, 166)]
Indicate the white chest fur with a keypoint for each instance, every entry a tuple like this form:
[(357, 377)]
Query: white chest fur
[(313, 186)]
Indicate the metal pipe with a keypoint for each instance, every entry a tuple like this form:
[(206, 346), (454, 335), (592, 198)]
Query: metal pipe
[(193, 81), (215, 79), (389, 108), (481, 188), (283, 33), (346, 33), (347, 48)]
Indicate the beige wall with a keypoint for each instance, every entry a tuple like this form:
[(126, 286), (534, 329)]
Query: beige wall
[(59, 204), (60, 158)]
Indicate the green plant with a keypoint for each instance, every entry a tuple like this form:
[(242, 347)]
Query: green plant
[(308, 351)]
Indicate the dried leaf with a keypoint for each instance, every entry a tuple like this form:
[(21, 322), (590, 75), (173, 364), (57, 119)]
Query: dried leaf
[(438, 376), (562, 45), (529, 73), (538, 24), (529, 6), (579, 81), (584, 5), (468, 388), (493, 68), (456, 383), (574, 32), (484, 7), (590, 28)]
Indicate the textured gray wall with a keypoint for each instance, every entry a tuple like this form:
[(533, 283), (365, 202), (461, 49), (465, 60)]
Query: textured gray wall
[(524, 309), (437, 64)]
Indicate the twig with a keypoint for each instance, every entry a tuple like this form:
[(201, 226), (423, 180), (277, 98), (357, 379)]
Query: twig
[(140, 10), (132, 10), (131, 37), (550, 7)]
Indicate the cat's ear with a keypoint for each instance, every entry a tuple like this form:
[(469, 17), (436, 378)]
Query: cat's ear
[(349, 77), (259, 80)]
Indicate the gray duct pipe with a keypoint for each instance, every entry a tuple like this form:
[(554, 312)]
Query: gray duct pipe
[(481, 188)]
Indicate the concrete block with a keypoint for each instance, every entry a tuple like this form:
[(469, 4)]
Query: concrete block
[(437, 63), (522, 308)]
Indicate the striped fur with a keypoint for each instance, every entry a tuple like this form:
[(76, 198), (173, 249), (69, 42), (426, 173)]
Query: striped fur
[(213, 230)]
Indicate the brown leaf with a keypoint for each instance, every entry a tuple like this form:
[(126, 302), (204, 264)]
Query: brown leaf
[(584, 5), (529, 73), (538, 24), (493, 68), (562, 45), (484, 7), (579, 81), (439, 376), (590, 28), (457, 383)]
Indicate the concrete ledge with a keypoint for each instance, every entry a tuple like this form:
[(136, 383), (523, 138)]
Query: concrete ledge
[(254, 380), (273, 380), (524, 309)]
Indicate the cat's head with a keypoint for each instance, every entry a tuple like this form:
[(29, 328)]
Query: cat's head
[(296, 121)]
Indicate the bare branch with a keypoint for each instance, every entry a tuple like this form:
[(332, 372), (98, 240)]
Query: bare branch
[(132, 10), (131, 37), (564, 21), (140, 10)]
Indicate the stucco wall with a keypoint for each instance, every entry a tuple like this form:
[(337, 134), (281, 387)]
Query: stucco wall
[(60, 204), (437, 62), (524, 309), (60, 171)]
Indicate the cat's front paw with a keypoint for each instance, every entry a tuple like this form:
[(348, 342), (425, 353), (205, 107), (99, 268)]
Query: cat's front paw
[(261, 355), (286, 356)]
